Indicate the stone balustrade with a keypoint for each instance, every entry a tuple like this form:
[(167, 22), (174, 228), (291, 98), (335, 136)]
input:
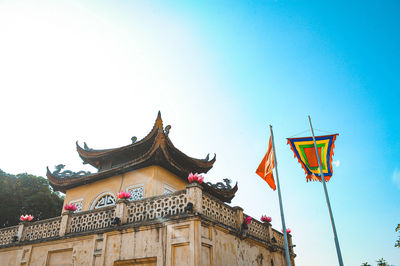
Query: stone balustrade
[(41, 229), (90, 220), (218, 211), (157, 207), (7, 234), (259, 230), (189, 202)]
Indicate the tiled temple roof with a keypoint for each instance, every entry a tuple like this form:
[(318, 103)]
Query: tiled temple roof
[(154, 149)]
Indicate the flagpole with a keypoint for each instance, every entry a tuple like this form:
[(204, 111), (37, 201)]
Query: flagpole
[(339, 254), (280, 200)]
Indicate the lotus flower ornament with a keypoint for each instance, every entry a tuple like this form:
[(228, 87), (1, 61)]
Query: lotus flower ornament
[(195, 178), (26, 218), (288, 231), (70, 207), (266, 219), (124, 195)]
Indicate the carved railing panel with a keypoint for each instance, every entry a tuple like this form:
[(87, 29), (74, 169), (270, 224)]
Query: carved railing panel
[(91, 220), (42, 229), (280, 241), (258, 229), (218, 211), (157, 207), (7, 234)]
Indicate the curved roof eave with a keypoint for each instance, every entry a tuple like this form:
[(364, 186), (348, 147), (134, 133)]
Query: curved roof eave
[(167, 161)]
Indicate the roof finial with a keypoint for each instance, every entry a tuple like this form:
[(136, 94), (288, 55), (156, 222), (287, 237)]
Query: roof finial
[(159, 122)]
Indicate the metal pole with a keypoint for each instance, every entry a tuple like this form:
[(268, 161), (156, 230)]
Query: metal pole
[(280, 200), (339, 254)]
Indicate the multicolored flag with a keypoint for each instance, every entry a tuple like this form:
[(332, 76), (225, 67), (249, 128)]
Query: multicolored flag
[(304, 150), (266, 166)]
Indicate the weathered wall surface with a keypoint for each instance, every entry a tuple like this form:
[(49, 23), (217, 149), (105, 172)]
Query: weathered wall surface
[(75, 251), (153, 178), (9, 257), (231, 250), (181, 242), (131, 244)]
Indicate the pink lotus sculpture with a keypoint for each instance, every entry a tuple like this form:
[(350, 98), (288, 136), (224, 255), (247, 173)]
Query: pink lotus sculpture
[(124, 195), (195, 178), (25, 218), (247, 220), (288, 231), (266, 219), (70, 207)]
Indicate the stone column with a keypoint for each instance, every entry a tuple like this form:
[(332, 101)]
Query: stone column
[(194, 193), (270, 233), (238, 217), (20, 232), (121, 210), (290, 243), (64, 226)]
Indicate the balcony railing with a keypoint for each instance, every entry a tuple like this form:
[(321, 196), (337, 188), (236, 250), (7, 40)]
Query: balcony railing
[(258, 229), (42, 229), (91, 220), (218, 211), (7, 234), (189, 202), (157, 207)]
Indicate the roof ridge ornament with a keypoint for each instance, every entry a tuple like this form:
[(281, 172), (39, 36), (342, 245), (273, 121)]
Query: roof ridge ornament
[(222, 186), (207, 159), (224, 192), (159, 123), (86, 147), (167, 129), (67, 173)]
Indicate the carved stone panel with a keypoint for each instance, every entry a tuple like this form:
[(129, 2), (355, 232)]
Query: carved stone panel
[(137, 193), (59, 257)]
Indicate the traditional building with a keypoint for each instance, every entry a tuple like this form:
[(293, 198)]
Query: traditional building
[(166, 220)]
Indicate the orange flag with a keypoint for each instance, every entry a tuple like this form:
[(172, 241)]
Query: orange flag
[(264, 170)]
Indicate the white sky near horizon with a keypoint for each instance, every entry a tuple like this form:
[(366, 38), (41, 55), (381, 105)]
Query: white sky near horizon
[(98, 72)]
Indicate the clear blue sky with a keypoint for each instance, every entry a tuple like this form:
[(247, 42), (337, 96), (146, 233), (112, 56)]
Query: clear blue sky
[(220, 72)]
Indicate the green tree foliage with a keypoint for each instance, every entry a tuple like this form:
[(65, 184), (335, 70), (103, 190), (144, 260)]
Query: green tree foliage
[(397, 244), (26, 194), (381, 262)]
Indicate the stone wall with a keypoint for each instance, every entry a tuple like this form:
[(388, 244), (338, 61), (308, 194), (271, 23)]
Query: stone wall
[(163, 230)]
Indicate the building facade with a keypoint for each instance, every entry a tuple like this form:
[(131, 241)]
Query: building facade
[(166, 221)]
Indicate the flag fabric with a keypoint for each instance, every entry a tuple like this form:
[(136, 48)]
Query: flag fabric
[(266, 166), (304, 151)]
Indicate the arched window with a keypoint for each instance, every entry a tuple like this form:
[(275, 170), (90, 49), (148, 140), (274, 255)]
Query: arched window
[(104, 201)]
